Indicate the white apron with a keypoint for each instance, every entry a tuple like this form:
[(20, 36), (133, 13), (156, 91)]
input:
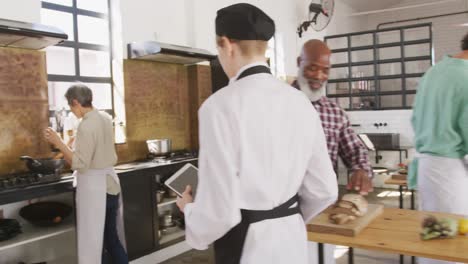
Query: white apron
[(91, 192), (442, 184)]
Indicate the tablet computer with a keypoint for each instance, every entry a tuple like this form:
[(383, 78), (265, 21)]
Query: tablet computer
[(187, 175)]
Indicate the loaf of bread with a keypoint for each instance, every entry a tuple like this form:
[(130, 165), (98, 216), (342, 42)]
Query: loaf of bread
[(348, 209)]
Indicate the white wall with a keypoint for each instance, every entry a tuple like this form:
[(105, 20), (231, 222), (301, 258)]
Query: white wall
[(446, 30), (21, 10), (191, 23)]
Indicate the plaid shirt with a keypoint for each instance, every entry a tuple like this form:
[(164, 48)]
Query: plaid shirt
[(341, 140)]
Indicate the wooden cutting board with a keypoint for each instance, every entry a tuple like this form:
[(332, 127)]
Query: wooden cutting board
[(321, 224), (401, 177)]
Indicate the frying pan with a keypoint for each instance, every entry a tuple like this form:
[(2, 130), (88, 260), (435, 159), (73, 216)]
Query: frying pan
[(45, 213), (44, 166)]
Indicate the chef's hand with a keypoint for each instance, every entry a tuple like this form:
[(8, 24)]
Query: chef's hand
[(52, 137), (361, 182), (185, 199)]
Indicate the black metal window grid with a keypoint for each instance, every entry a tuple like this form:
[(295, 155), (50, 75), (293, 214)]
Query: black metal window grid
[(375, 88), (78, 45)]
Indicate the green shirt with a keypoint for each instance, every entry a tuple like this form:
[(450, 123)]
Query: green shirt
[(440, 111)]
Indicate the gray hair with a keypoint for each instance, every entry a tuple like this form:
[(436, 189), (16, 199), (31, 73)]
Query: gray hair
[(80, 93)]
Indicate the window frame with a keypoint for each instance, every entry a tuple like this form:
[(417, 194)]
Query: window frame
[(76, 45)]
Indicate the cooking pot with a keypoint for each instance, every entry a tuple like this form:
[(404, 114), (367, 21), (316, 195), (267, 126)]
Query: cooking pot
[(166, 220), (44, 166), (159, 147), (45, 213)]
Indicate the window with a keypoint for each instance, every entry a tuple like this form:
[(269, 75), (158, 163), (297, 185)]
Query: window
[(379, 69), (86, 56)]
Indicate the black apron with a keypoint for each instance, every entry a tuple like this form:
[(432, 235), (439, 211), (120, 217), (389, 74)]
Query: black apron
[(228, 249)]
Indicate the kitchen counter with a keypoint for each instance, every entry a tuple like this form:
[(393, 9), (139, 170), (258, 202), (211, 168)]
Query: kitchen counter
[(66, 183)]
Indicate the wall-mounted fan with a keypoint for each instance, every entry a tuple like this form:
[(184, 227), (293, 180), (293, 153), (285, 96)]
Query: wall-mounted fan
[(320, 14)]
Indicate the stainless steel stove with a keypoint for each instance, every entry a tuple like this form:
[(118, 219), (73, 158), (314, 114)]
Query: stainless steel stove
[(27, 179), (173, 157)]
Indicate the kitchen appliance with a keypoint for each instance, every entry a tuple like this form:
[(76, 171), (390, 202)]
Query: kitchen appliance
[(159, 147), (44, 166), (27, 179), (320, 14), (45, 213), (29, 35), (168, 53), (385, 140)]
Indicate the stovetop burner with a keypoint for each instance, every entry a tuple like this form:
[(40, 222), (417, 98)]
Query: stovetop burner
[(22, 180), (173, 157)]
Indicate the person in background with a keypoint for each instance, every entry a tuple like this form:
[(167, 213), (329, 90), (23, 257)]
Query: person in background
[(262, 150), (314, 66), (98, 200), (440, 124)]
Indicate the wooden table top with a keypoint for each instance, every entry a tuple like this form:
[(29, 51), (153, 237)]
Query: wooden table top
[(395, 182), (397, 231)]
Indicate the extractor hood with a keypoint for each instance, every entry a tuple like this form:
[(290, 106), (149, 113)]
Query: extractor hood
[(161, 52), (29, 35)]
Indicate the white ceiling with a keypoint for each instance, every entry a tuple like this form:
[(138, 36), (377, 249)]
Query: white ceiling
[(369, 5)]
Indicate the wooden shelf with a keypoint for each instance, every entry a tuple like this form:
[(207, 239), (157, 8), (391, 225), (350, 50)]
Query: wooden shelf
[(166, 202), (33, 233)]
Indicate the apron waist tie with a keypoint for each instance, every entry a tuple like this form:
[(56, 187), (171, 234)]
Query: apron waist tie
[(228, 249)]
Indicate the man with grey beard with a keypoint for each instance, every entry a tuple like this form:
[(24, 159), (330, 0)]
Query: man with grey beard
[(314, 66)]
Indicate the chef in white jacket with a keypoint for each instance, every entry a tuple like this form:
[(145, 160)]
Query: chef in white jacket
[(262, 152)]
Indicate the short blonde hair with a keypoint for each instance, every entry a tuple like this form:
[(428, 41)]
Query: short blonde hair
[(248, 48)]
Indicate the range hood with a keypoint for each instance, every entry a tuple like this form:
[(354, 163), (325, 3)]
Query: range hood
[(29, 35), (161, 52)]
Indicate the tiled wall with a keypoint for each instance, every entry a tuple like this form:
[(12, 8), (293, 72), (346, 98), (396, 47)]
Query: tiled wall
[(398, 121)]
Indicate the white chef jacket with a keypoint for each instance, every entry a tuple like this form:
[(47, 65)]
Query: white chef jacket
[(261, 142)]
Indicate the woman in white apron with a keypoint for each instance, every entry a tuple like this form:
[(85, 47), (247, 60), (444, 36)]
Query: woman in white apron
[(98, 201)]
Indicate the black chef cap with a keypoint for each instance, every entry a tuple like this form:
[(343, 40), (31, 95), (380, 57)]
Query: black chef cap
[(244, 22)]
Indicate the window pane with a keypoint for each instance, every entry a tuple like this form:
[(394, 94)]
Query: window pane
[(389, 53), (363, 71), (60, 2), (93, 30), (391, 85), (102, 95), (410, 100), (388, 37), (338, 73), (93, 5), (61, 20), (363, 86), (338, 88), (94, 63), (60, 60), (417, 50), (362, 40), (340, 57), (417, 33), (362, 55), (389, 68), (363, 103), (417, 66), (343, 102), (412, 83), (337, 43), (57, 91), (391, 101)]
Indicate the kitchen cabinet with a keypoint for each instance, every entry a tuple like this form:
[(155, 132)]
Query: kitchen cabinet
[(379, 69)]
